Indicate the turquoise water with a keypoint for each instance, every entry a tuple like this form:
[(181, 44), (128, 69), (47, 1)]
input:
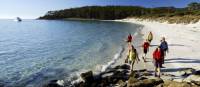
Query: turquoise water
[(35, 51)]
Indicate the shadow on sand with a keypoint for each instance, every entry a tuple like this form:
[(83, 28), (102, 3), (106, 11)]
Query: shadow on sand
[(182, 60), (173, 69), (155, 45), (179, 60)]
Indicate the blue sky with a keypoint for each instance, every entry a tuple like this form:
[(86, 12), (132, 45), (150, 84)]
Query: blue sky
[(35, 8)]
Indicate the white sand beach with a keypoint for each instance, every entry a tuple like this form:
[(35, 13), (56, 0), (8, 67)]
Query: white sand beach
[(183, 41)]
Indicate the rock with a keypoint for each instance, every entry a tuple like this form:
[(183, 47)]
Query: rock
[(87, 76), (186, 71), (55, 83), (196, 82), (160, 85), (178, 79), (60, 82), (107, 74), (132, 80), (142, 78), (134, 74), (170, 75), (197, 72), (121, 83), (177, 84), (121, 75), (146, 73), (142, 70), (144, 83), (192, 78), (125, 66)]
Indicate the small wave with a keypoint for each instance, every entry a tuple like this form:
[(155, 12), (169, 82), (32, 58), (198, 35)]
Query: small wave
[(75, 77), (113, 61)]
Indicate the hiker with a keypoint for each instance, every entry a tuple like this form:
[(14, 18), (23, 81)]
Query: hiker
[(164, 48), (129, 38), (145, 49), (157, 59), (150, 37), (132, 56)]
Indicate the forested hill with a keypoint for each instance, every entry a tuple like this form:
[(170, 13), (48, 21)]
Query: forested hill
[(120, 12)]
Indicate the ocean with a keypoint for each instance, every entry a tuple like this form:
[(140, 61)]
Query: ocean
[(33, 52)]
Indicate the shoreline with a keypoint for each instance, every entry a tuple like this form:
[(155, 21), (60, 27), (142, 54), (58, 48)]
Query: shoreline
[(183, 41), (183, 49)]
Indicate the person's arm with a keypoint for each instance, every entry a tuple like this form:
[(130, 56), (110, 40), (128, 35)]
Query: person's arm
[(167, 47)]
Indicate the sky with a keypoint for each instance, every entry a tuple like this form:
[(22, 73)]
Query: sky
[(31, 9)]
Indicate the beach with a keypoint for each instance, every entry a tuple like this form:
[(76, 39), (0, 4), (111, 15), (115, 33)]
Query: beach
[(181, 65), (183, 41)]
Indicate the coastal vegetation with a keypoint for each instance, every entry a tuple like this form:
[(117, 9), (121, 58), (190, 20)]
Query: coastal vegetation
[(188, 14)]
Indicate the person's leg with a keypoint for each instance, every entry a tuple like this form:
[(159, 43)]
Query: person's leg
[(158, 69), (155, 74), (144, 56), (129, 62), (132, 66), (162, 55), (155, 65)]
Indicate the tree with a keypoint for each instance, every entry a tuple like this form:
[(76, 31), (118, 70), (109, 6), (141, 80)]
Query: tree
[(194, 6)]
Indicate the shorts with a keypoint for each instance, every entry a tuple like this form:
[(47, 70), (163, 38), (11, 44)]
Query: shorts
[(157, 64), (145, 51)]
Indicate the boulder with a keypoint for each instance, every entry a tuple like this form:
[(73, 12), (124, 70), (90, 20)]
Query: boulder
[(144, 83), (186, 71), (87, 76), (146, 73), (177, 84), (121, 83), (192, 78), (54, 83), (132, 80), (160, 85), (197, 72), (196, 82), (142, 78), (124, 66), (134, 74)]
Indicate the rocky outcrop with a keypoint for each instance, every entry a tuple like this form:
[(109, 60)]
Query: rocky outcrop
[(121, 76), (177, 84), (55, 83)]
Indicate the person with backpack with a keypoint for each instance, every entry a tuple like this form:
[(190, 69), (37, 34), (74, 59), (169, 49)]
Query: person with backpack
[(145, 49), (129, 38), (132, 56), (150, 37), (157, 60), (164, 48)]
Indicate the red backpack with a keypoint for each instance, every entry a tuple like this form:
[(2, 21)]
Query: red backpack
[(146, 45), (157, 55)]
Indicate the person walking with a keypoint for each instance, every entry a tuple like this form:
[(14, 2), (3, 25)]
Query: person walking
[(132, 56), (145, 49), (157, 60), (164, 48), (150, 37), (129, 38)]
